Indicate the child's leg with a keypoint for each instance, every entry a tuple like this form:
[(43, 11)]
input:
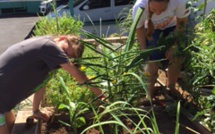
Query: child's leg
[(153, 66), (174, 68), (10, 119), (153, 70), (3, 126)]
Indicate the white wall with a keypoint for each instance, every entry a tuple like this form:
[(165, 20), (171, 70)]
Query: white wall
[(210, 6)]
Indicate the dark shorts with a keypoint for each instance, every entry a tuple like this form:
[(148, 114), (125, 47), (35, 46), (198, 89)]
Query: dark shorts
[(158, 54)]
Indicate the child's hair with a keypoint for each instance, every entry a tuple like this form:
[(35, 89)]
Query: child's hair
[(76, 44), (150, 28)]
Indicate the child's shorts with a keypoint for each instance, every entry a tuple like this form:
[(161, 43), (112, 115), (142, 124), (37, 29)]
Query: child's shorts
[(2, 119), (158, 54)]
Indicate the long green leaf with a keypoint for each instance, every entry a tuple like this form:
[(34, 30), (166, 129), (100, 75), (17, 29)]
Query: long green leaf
[(141, 57), (101, 41), (130, 40), (177, 119)]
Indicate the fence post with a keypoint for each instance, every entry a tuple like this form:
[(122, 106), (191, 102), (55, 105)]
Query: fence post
[(71, 7)]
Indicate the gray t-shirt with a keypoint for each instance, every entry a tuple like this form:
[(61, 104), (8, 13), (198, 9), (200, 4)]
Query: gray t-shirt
[(24, 66)]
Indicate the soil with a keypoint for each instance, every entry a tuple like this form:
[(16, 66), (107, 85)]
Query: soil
[(165, 121)]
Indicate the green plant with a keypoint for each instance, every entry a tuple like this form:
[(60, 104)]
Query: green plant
[(58, 26), (75, 109), (118, 115), (202, 63), (117, 68), (206, 112), (55, 95), (116, 71), (202, 69), (121, 117), (177, 118)]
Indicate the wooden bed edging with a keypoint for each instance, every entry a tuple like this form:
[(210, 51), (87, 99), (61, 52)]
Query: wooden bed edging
[(121, 40), (201, 128), (20, 126), (188, 115)]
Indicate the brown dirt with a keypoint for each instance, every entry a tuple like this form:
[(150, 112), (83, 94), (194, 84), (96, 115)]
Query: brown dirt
[(166, 123)]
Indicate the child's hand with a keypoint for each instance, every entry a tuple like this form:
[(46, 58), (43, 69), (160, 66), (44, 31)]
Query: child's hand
[(39, 115), (102, 97)]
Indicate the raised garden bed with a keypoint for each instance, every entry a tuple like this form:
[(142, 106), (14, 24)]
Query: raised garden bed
[(166, 122)]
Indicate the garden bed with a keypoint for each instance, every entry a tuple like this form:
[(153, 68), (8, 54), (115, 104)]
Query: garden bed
[(166, 122)]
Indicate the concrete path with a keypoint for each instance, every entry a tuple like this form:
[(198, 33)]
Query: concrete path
[(14, 29)]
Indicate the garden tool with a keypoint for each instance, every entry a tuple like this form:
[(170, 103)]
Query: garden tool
[(30, 122)]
